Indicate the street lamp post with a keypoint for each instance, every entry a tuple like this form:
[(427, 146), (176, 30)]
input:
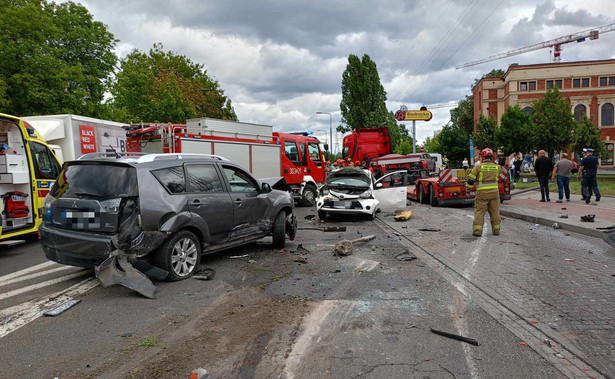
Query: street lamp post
[(330, 129)]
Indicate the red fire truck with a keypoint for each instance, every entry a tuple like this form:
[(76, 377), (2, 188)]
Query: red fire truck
[(296, 157)]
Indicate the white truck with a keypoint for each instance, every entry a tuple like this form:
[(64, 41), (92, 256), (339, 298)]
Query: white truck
[(70, 136)]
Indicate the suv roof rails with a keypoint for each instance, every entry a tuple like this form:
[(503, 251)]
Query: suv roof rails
[(153, 157), (109, 154)]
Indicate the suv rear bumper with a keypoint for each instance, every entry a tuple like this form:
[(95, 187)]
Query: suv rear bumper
[(75, 248)]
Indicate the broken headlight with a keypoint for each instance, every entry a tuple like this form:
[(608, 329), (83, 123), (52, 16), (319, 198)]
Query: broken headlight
[(366, 195)]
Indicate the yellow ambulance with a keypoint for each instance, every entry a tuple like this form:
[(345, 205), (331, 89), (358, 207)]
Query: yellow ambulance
[(28, 170)]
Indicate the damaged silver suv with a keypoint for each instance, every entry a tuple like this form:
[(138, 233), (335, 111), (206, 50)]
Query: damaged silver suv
[(167, 207)]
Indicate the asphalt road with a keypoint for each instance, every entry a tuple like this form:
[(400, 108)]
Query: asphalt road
[(301, 312)]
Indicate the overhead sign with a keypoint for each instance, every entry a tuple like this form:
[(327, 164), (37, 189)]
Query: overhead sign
[(406, 115)]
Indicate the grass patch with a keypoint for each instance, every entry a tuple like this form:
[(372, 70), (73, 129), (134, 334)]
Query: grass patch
[(605, 185), (148, 342)]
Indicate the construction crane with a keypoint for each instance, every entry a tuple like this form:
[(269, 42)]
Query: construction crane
[(555, 43), (443, 105)]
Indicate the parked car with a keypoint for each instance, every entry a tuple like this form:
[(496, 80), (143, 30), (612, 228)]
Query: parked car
[(167, 207), (426, 160), (354, 191)]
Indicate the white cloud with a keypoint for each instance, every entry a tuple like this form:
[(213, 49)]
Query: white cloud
[(281, 62)]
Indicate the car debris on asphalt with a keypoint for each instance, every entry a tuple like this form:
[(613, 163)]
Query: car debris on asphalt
[(204, 273), (345, 247), (455, 336), (405, 256), (403, 216), (588, 218), (62, 308)]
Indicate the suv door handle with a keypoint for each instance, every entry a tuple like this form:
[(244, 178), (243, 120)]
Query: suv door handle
[(196, 203), (238, 201)]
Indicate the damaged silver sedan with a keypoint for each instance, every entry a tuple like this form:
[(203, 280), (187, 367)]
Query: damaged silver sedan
[(166, 209)]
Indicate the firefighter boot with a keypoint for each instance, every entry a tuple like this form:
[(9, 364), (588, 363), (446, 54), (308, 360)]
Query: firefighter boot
[(477, 233), (496, 232)]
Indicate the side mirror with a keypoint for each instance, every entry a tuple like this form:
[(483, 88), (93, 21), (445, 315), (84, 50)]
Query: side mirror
[(326, 146), (379, 185), (266, 188)]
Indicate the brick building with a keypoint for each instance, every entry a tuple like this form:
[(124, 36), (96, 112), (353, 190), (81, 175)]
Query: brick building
[(588, 86)]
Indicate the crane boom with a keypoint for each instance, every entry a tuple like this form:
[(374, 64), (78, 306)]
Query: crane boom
[(556, 43)]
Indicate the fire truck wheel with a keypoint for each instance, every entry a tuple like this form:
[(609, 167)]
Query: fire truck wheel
[(422, 196), (433, 200), (279, 230), (179, 255), (309, 196), (322, 215)]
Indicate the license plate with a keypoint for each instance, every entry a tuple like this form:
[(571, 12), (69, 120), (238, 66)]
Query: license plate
[(452, 189), (342, 204)]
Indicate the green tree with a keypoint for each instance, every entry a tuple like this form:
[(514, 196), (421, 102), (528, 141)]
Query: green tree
[(55, 58), (586, 134), (485, 133), (515, 132), (432, 145), (553, 123), (462, 116), (453, 143), (363, 96), (495, 73), (165, 87)]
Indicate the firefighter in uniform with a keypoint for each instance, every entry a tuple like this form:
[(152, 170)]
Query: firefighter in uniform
[(485, 175)]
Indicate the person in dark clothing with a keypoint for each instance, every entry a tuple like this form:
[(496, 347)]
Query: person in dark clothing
[(588, 170), (518, 163), (543, 168)]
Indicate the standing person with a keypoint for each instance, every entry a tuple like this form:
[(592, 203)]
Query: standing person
[(445, 161), (588, 169), (542, 168), (465, 164), (518, 164), (485, 175), (563, 168)]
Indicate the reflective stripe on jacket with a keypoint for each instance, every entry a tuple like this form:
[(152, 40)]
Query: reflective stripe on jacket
[(485, 175)]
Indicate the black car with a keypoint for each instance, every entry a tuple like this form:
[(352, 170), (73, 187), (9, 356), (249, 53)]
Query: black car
[(168, 207)]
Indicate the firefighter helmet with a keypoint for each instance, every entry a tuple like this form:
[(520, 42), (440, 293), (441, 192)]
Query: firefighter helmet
[(486, 153)]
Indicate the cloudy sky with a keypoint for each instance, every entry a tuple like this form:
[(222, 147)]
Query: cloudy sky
[(281, 61)]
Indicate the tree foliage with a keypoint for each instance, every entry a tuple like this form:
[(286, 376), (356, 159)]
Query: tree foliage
[(432, 145), (55, 58), (485, 133), (586, 134), (453, 143), (553, 123), (462, 116), (363, 96), (515, 131), (165, 87)]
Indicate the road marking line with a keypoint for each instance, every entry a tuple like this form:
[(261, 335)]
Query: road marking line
[(33, 287), (28, 270), (22, 314), (35, 275)]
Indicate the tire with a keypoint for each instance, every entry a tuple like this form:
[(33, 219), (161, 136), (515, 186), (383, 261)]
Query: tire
[(279, 230), (183, 248), (308, 199), (433, 200), (322, 215), (422, 197), (371, 216)]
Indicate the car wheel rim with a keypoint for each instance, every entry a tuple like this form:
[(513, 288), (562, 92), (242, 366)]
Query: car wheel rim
[(184, 257), (309, 197)]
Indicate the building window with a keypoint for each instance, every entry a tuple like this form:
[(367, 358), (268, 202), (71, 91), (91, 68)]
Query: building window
[(528, 110), (582, 82), (607, 81), (607, 114), (554, 83), (527, 86), (579, 112)]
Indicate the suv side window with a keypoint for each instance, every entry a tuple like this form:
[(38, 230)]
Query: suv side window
[(172, 178), (239, 181), (203, 178)]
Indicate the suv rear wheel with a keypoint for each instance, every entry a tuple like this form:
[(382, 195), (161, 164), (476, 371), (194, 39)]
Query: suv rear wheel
[(180, 255)]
